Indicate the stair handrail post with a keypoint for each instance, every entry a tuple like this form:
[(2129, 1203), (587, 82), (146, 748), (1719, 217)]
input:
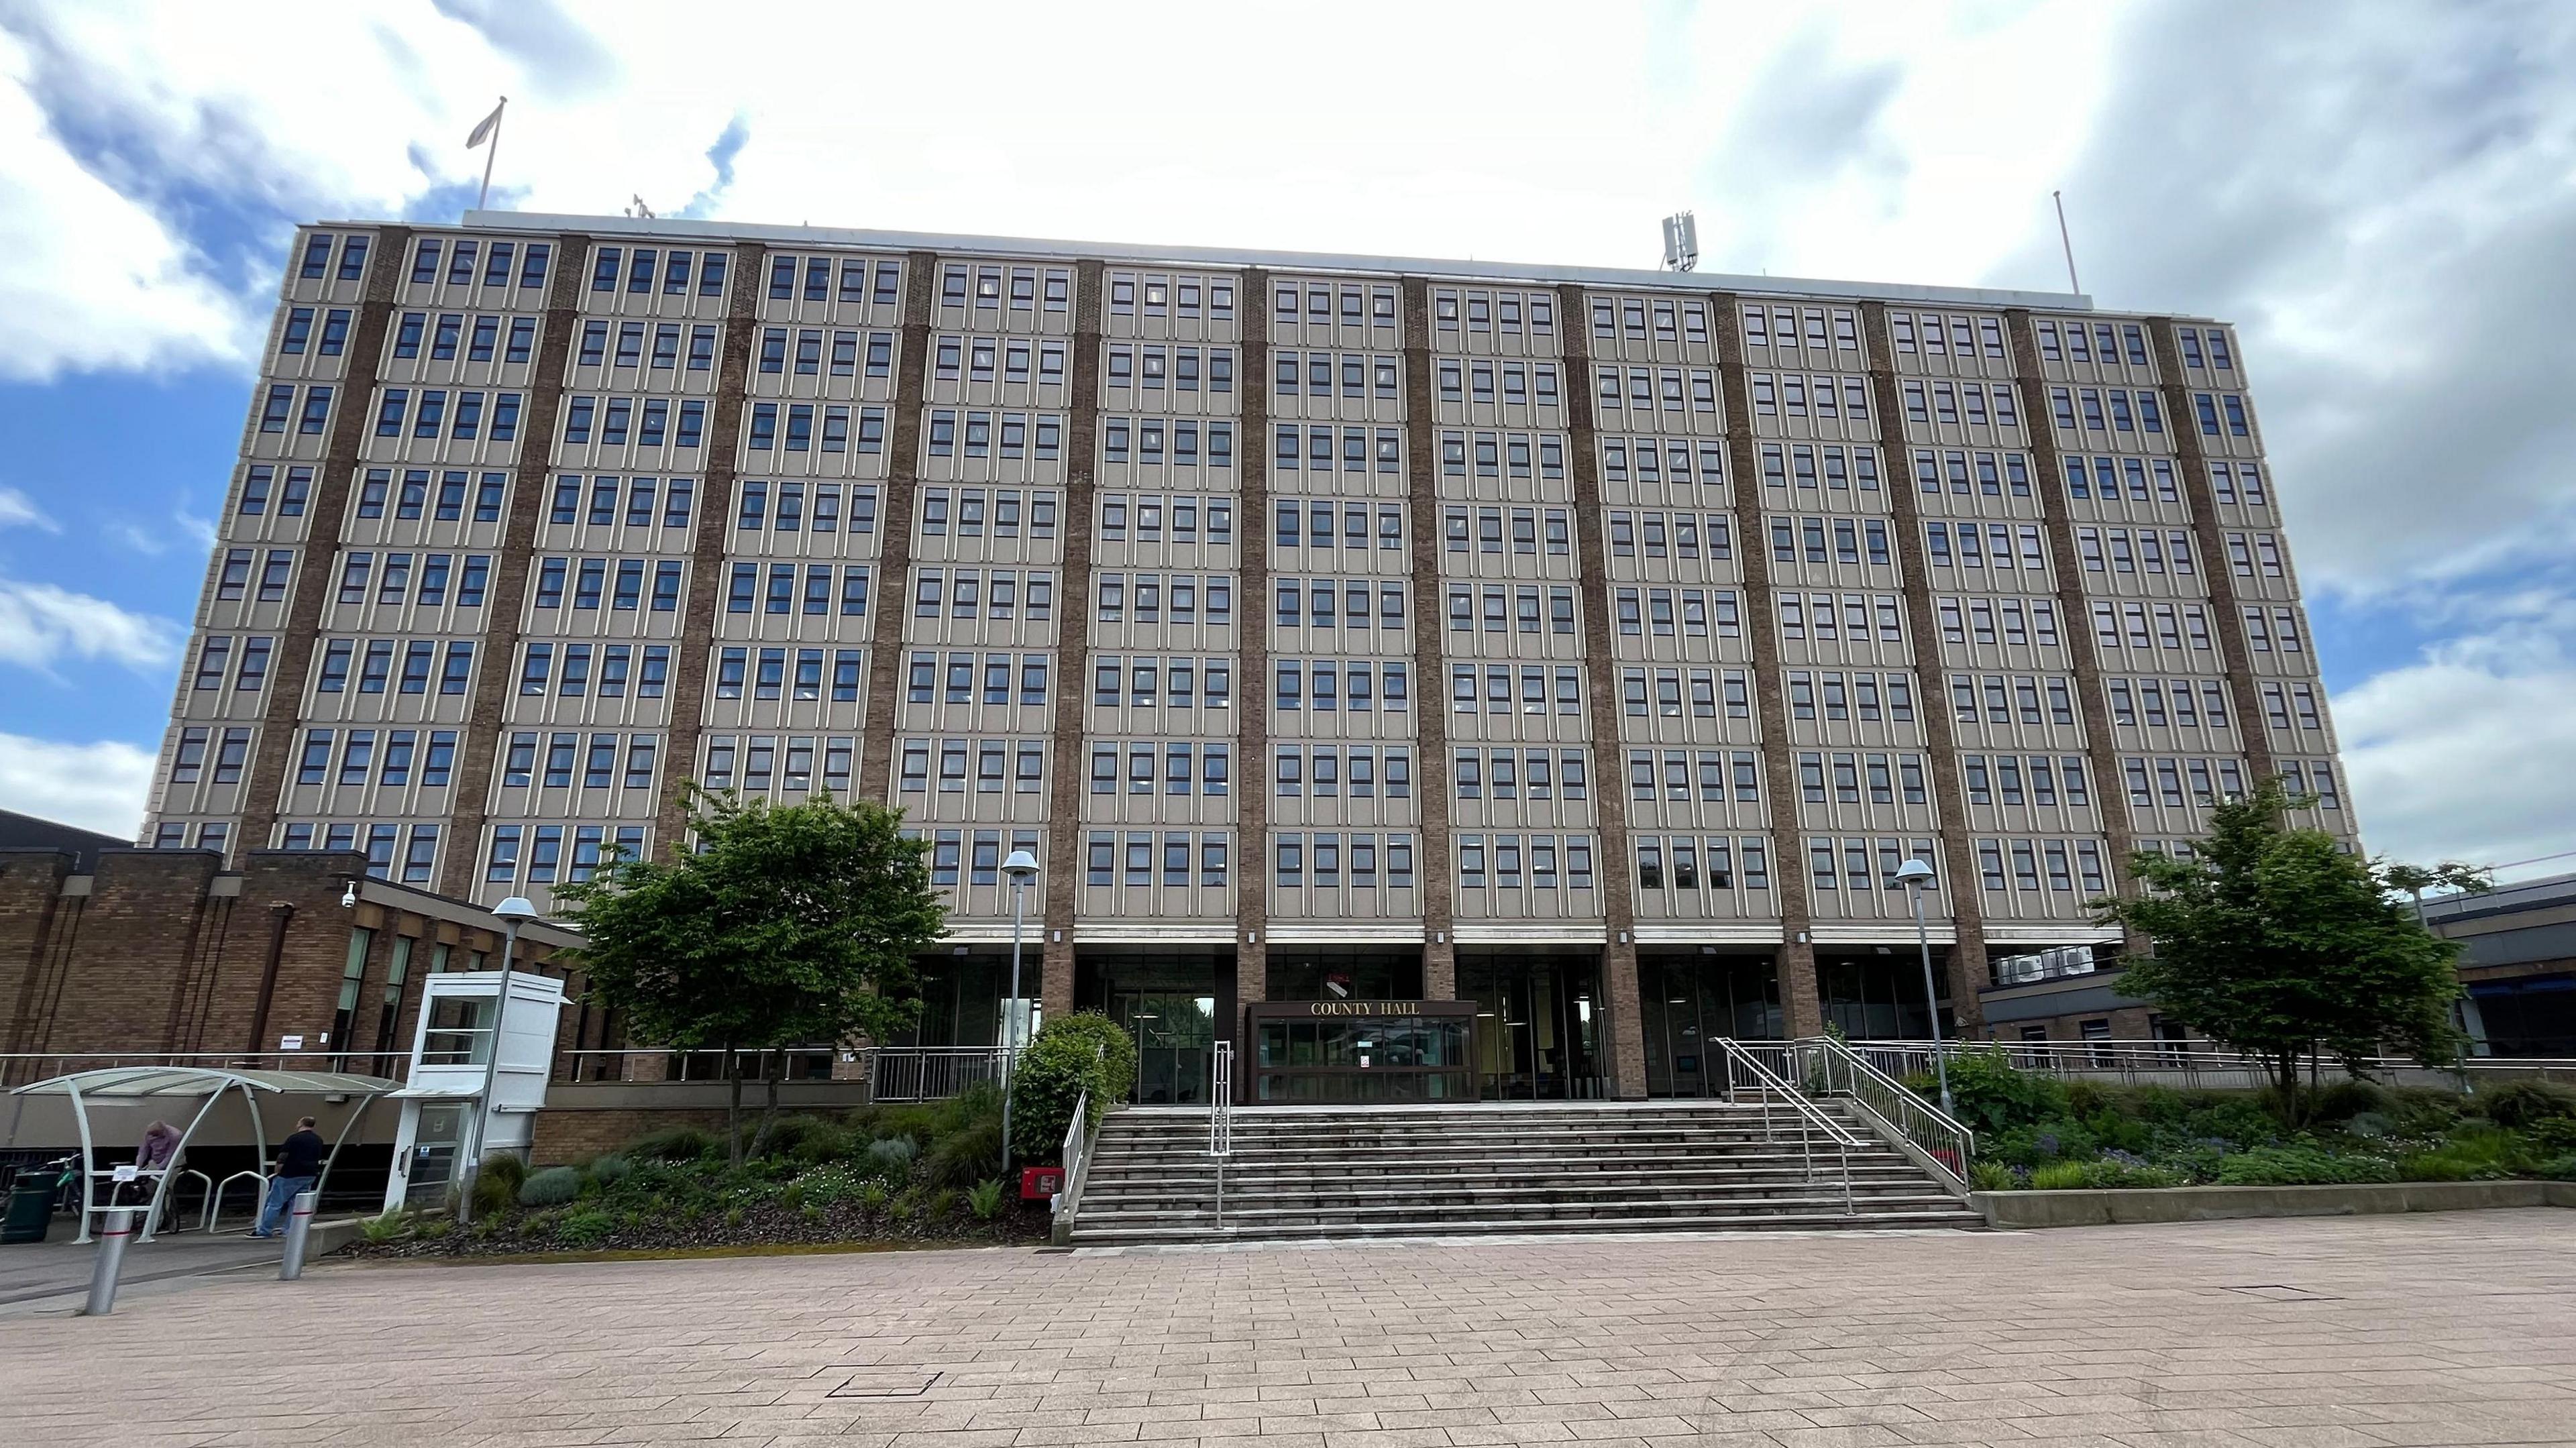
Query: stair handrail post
[(1221, 1120)]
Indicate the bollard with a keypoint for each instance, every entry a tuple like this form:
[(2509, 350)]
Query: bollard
[(299, 1227), (112, 1237)]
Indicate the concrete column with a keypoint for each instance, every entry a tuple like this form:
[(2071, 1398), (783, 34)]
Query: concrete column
[(1063, 860)]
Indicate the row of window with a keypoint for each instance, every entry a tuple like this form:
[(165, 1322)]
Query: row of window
[(1815, 613), (1999, 781), (472, 573), (1474, 381), (545, 863), (1481, 310), (639, 265), (1181, 369), (924, 686), (1860, 699), (1848, 535), (1294, 850), (1687, 862), (1658, 536), (353, 257), (465, 422), (1659, 459), (997, 594), (1329, 773), (2280, 702), (735, 668), (1975, 619), (1024, 286), (1141, 440), (589, 579), (461, 258), (1948, 403), (215, 835), (1143, 683), (1679, 390), (1858, 873), (1312, 603), (1798, 396), (1885, 777), (984, 867), (1180, 763), (647, 421), (2127, 623), (280, 410), (360, 761), (641, 496), (882, 284), (1741, 768), (2210, 780), (1517, 862), (770, 762), (1705, 687), (1356, 683), (2126, 411), (1102, 851), (2098, 546), (2030, 856), (2108, 472), (2101, 343), (752, 511), (215, 662), (2208, 406), (648, 666), (443, 335), (593, 350), (993, 757), (1511, 607), (410, 497), (1145, 598), (298, 332), (1995, 473), (1498, 694), (1379, 301), (1169, 296), (569, 758), (1769, 327), (1988, 335), (418, 845), (1356, 450), (262, 480), (1999, 540), (232, 577), (984, 434), (2025, 692), (1310, 522), (229, 754), (1145, 514), (374, 661), (1784, 463), (2136, 699), (2244, 552)]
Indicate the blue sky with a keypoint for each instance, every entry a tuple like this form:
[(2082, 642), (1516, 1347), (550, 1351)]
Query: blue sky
[(2380, 197)]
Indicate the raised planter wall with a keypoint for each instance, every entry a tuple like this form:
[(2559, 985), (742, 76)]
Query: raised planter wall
[(2206, 1204)]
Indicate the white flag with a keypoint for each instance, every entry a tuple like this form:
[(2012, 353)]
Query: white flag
[(484, 131)]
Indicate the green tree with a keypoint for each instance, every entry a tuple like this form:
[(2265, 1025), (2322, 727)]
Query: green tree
[(2272, 941), (794, 926)]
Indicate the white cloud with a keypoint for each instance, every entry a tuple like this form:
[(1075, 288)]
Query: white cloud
[(41, 624), (17, 510), (99, 786)]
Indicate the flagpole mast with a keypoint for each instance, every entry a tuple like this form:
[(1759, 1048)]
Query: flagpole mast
[(491, 155)]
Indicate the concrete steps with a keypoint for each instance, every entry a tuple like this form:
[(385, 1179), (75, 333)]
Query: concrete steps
[(1389, 1171)]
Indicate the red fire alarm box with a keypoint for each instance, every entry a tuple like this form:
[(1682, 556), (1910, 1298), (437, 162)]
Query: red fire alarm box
[(1037, 1183)]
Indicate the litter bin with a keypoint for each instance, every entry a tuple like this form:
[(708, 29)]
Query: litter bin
[(31, 1208)]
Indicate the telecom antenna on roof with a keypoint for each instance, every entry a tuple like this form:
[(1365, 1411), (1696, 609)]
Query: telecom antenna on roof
[(2065, 242), (1681, 242), (638, 208)]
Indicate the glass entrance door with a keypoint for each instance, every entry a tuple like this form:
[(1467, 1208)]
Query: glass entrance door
[(432, 1169), (1537, 1032), (1175, 1044)]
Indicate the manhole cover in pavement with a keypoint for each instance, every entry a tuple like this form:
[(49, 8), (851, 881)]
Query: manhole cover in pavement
[(885, 1383), (2282, 1292)]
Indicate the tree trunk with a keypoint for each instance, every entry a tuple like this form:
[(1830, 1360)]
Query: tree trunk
[(773, 1061), (733, 1106)]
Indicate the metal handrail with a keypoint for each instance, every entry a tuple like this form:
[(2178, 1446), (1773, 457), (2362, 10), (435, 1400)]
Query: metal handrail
[(1933, 1138), (1076, 1157), (1812, 1115), (2162, 1062), (1221, 1120)]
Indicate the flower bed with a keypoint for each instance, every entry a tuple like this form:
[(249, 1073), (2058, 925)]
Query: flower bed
[(2036, 1133)]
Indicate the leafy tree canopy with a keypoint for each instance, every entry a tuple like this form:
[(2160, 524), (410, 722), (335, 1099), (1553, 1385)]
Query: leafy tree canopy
[(2272, 941)]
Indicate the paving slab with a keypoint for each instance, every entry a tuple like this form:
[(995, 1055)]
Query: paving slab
[(2358, 1332)]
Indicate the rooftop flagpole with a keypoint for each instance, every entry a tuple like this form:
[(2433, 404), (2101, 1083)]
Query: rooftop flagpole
[(489, 130)]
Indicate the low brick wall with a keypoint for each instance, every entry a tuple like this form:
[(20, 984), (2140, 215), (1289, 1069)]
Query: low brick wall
[(585, 1118), (2204, 1204)]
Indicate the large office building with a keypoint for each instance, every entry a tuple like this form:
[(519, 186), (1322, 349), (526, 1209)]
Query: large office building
[(1440, 677)]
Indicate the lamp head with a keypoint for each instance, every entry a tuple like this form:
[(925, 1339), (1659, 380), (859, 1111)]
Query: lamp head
[(1913, 875), (1021, 867), (515, 909)]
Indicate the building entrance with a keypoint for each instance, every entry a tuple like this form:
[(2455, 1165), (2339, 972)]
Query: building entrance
[(1363, 1051), (1538, 1024), (1175, 1034), (1689, 1000)]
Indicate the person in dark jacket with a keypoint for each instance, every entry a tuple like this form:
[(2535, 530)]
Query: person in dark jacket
[(299, 1166)]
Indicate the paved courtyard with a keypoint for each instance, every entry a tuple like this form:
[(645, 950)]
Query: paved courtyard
[(2457, 1328)]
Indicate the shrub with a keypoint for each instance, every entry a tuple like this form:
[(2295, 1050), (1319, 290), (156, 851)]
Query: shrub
[(394, 1226), (2279, 1166), (673, 1143), (2345, 1100), (943, 1203), (2037, 1145), (2560, 1169), (609, 1170), (434, 1228), (2474, 1152), (496, 1185), (873, 1197), (984, 1199), (552, 1187), (963, 1157), (2555, 1135), (1085, 1051), (2425, 1110), (1991, 1096), (809, 1139), (2527, 1103), (585, 1229), (1993, 1176), (893, 1156), (2060, 1176), (2370, 1125)]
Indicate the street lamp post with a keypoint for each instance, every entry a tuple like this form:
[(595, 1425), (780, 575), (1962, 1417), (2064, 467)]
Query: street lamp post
[(1917, 877), (1019, 869), (512, 913)]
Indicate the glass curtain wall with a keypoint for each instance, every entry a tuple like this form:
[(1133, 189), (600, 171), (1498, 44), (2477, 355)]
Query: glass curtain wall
[(1538, 1023), (1690, 1000)]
